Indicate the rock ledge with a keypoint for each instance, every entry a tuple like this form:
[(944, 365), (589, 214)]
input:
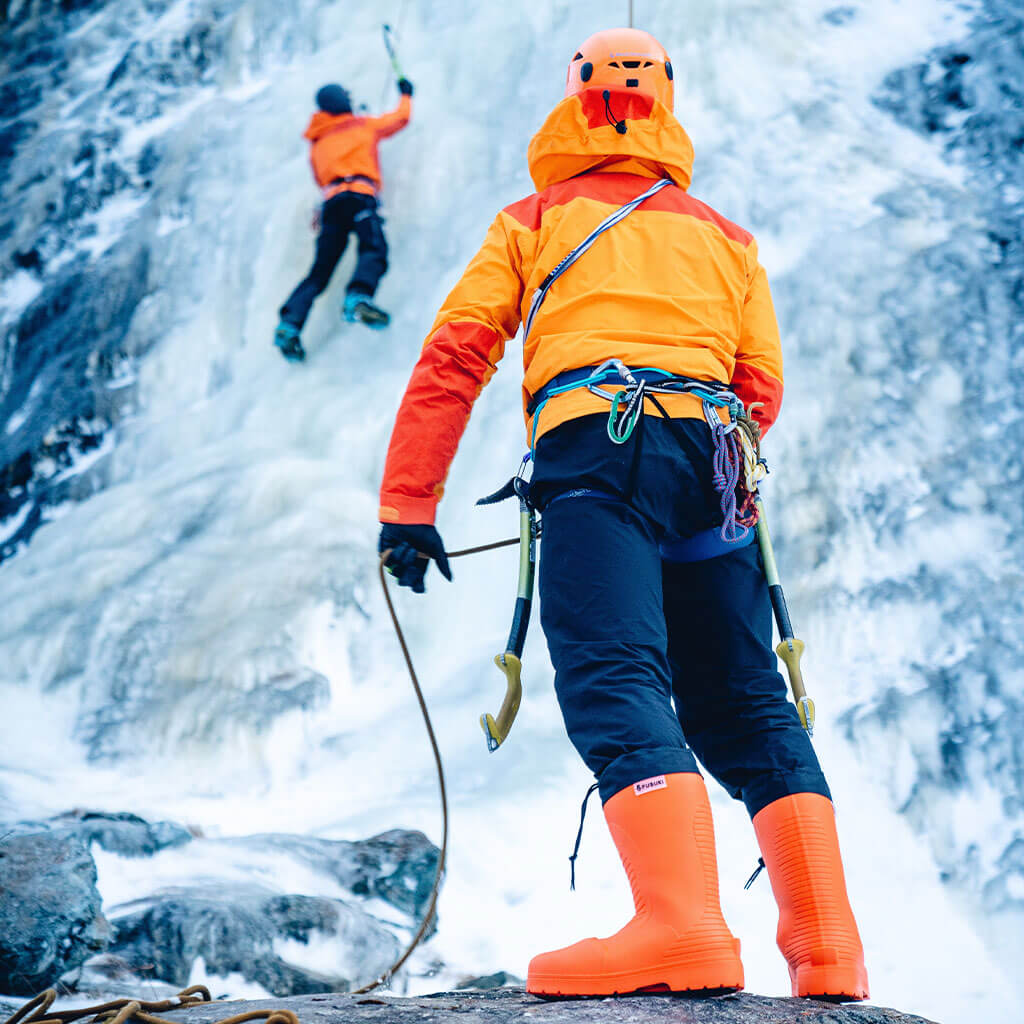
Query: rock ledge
[(508, 1005)]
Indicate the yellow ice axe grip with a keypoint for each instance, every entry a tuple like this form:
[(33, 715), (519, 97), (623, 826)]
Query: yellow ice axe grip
[(790, 651), (497, 729)]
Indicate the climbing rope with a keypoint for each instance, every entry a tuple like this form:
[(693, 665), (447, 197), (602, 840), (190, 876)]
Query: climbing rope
[(443, 857), (120, 1011)]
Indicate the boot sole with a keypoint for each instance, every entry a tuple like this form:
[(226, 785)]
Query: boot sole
[(831, 983), (712, 978), (375, 320)]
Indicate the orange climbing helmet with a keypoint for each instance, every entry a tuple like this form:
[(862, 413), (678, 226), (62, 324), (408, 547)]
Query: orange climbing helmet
[(623, 58)]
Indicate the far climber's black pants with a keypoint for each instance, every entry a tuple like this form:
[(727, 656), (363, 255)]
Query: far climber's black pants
[(345, 213), (656, 661)]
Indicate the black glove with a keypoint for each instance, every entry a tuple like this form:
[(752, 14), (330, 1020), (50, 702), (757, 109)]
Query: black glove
[(405, 86), (407, 544)]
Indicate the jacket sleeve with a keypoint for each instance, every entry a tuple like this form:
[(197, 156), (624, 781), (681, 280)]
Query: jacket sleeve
[(458, 359), (388, 124), (757, 376)]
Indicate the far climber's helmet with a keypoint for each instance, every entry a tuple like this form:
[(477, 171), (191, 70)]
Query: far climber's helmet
[(333, 99), (624, 58)]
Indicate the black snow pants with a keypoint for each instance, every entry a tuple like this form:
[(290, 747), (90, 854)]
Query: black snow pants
[(345, 213), (656, 661)]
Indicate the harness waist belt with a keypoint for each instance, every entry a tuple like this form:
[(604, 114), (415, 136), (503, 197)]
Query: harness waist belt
[(568, 377), (349, 179)]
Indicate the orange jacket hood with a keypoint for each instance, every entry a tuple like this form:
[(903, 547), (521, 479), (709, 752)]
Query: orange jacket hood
[(322, 122), (577, 136)]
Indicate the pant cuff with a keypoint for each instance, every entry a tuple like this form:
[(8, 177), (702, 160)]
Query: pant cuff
[(644, 764), (775, 785)]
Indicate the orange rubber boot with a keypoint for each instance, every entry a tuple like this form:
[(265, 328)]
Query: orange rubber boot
[(678, 940), (817, 933)]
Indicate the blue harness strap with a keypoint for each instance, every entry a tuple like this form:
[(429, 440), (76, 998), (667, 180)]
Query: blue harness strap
[(568, 379)]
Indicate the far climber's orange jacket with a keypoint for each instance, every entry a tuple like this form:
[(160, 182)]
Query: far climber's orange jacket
[(674, 286), (345, 146)]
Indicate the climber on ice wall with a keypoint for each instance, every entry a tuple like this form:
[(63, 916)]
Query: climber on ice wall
[(661, 652), (343, 154)]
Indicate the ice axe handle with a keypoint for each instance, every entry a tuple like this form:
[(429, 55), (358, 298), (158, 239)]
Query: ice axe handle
[(790, 651), (496, 729), (390, 47), (790, 648)]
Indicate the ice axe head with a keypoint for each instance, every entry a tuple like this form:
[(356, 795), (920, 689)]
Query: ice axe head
[(497, 729)]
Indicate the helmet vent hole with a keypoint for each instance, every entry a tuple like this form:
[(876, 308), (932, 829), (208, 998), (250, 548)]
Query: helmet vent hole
[(648, 63), (613, 64), (579, 56), (586, 70), (631, 63), (668, 69), (632, 83)]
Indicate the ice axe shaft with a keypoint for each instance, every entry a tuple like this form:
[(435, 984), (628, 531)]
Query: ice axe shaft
[(389, 45), (496, 727), (789, 649)]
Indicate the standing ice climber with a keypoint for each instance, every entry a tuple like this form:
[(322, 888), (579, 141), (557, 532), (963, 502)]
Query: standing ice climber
[(343, 153), (656, 659)]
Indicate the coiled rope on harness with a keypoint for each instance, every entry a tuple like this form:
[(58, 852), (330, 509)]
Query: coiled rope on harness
[(435, 891)]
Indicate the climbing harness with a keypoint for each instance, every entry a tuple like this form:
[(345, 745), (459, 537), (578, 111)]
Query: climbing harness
[(738, 466), (121, 1011), (496, 729), (789, 648)]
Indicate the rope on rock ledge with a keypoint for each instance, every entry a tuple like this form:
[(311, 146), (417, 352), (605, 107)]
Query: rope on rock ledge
[(120, 1011)]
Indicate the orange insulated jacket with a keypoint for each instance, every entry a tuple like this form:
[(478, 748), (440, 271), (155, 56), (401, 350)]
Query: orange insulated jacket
[(674, 286), (345, 146)]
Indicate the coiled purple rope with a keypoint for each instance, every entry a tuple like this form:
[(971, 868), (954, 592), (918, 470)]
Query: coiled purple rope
[(726, 465)]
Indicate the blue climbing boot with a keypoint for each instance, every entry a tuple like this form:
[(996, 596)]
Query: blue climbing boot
[(286, 338), (359, 307)]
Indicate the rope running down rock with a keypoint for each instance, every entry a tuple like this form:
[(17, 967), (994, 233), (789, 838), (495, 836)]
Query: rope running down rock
[(121, 1011), (442, 859)]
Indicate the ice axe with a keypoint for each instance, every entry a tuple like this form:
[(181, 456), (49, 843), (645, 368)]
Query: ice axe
[(789, 648), (496, 728), (389, 45)]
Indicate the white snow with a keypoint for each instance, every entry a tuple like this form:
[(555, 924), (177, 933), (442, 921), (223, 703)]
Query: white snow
[(16, 292)]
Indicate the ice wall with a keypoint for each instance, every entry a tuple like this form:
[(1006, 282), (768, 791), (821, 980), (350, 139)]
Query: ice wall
[(191, 620)]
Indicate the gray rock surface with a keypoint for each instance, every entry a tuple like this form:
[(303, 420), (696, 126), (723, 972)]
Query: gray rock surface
[(236, 929), (504, 1006), (122, 833), (50, 910), (397, 866), (52, 927), (497, 980)]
